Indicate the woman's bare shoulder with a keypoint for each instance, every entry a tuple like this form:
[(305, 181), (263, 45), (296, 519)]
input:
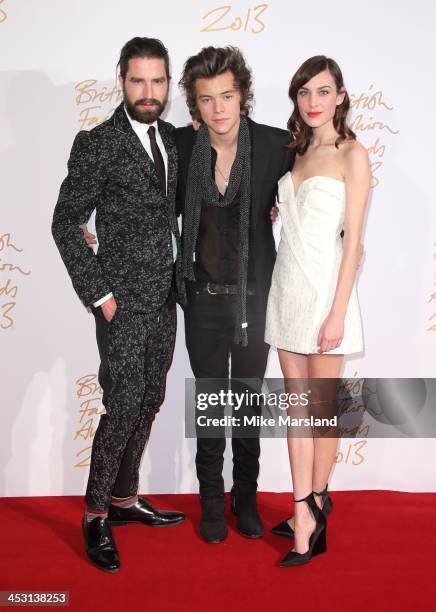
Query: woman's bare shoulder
[(353, 154), (353, 149)]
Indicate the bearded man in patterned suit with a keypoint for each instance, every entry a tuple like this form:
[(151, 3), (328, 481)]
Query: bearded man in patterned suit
[(126, 170)]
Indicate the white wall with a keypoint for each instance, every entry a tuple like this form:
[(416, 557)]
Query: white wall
[(47, 339)]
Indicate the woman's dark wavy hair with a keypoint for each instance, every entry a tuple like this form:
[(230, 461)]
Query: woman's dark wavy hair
[(211, 62), (300, 131)]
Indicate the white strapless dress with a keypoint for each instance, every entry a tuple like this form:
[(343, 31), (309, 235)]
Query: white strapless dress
[(306, 271)]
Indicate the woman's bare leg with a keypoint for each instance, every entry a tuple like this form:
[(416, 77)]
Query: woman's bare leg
[(325, 448), (300, 448)]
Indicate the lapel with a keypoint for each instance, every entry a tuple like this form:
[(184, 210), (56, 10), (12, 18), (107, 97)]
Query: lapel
[(171, 150), (259, 164), (135, 148), (131, 141)]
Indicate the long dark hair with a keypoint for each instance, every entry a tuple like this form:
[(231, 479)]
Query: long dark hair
[(211, 62), (300, 131)]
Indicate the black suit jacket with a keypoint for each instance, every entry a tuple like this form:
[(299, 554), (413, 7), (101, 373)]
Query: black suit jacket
[(270, 159), (110, 171)]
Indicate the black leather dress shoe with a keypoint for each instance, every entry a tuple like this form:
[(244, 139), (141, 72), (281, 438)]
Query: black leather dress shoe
[(100, 545), (143, 512), (248, 521), (213, 524)]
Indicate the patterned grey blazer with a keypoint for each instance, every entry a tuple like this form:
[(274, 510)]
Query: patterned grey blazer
[(110, 171)]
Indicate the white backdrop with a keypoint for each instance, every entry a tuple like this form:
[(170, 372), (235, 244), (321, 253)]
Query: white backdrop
[(57, 76)]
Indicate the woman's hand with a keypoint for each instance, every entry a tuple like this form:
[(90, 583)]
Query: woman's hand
[(331, 333)]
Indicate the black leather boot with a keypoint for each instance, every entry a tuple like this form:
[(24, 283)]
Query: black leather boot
[(213, 525), (100, 545), (248, 522)]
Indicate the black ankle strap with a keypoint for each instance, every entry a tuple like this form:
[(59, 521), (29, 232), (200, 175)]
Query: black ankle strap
[(323, 492), (304, 499), (313, 507)]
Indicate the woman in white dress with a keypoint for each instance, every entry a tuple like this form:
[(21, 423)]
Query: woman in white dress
[(313, 316)]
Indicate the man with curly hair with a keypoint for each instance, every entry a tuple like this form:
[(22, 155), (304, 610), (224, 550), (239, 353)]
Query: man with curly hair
[(228, 173)]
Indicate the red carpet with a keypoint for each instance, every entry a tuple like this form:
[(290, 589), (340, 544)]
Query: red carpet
[(381, 556)]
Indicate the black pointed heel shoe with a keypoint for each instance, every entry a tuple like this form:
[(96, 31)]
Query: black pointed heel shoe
[(285, 530), (317, 540)]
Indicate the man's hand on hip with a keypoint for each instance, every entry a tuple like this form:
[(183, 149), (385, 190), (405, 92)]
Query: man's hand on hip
[(90, 238), (109, 308)]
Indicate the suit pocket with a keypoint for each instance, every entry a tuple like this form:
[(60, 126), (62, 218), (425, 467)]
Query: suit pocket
[(116, 313), (98, 313)]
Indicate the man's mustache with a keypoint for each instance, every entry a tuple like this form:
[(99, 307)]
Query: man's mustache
[(147, 101)]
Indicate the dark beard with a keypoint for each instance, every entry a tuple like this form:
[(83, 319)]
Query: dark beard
[(144, 116)]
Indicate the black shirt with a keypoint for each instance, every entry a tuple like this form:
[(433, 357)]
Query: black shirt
[(270, 159), (217, 249)]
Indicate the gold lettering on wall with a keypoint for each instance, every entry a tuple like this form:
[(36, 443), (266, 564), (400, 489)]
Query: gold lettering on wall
[(11, 273), (90, 394), (3, 15), (351, 391), (96, 102), (365, 107), (222, 18), (432, 298), (352, 455)]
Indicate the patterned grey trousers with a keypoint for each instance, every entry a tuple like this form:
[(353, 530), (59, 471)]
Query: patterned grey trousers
[(136, 351)]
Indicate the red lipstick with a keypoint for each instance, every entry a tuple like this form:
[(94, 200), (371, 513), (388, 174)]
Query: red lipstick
[(314, 114)]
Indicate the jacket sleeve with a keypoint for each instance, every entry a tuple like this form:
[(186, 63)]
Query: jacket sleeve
[(288, 156), (77, 199)]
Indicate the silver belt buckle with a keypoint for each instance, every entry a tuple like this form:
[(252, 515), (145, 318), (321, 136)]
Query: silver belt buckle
[(209, 291)]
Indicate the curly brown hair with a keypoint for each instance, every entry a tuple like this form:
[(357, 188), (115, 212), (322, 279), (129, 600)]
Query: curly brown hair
[(211, 62), (300, 131)]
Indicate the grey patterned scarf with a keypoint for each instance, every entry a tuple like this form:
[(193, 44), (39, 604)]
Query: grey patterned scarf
[(201, 187)]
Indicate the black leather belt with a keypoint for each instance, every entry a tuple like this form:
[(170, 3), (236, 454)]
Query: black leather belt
[(216, 289)]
